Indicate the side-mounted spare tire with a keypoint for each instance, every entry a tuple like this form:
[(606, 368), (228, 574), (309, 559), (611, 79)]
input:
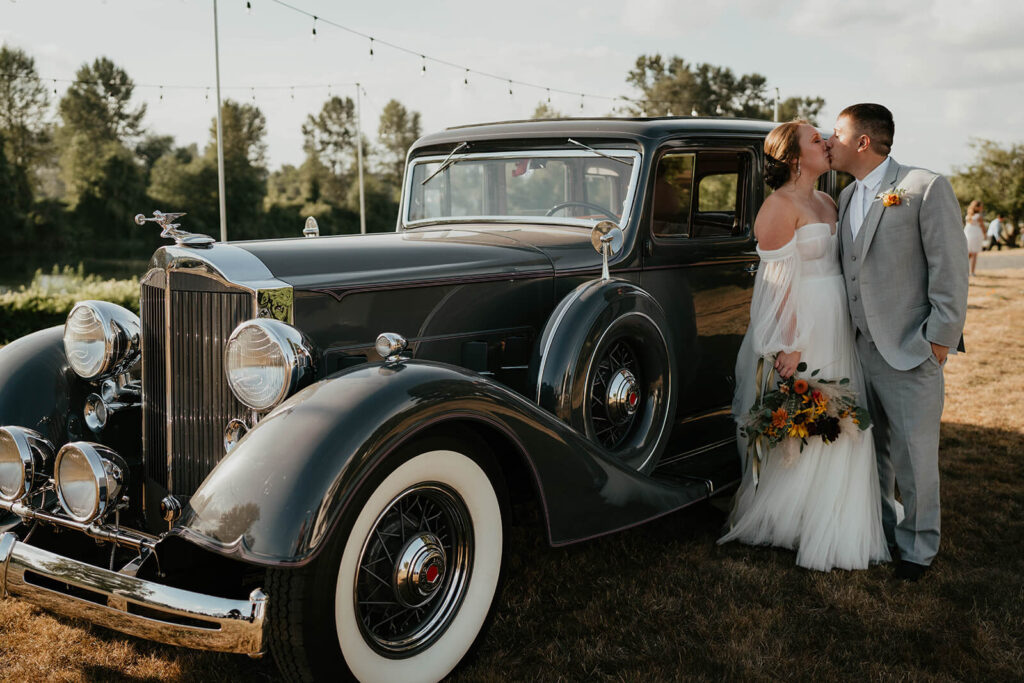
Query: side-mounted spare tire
[(604, 364)]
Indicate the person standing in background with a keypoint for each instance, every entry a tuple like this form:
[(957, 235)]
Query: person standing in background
[(995, 233)]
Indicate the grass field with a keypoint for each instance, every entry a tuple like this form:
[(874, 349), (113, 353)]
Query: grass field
[(663, 602)]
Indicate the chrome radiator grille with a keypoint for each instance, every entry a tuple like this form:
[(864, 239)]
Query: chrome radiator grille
[(186, 399)]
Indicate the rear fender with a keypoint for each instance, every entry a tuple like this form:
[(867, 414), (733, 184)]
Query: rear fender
[(276, 497)]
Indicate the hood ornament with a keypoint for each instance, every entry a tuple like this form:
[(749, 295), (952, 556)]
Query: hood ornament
[(170, 230)]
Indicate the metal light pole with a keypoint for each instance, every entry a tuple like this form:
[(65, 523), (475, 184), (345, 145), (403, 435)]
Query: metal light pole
[(220, 135), (776, 105), (359, 160)]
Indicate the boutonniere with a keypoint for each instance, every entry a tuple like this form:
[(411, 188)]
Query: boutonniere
[(892, 197)]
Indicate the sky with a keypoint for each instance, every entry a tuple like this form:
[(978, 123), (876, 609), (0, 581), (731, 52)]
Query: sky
[(950, 70)]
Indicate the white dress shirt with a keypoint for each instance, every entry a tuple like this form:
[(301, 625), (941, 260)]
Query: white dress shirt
[(864, 193)]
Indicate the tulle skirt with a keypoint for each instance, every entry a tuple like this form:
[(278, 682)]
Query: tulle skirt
[(823, 502)]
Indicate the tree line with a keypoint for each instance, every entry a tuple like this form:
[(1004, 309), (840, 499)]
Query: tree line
[(73, 176), (70, 182)]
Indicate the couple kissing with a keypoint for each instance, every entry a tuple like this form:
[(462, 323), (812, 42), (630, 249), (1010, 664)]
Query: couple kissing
[(871, 294)]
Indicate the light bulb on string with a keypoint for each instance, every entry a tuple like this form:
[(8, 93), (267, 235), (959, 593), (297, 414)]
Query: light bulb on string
[(55, 86), (371, 49), (252, 92), (207, 94), (510, 88), (423, 67), (465, 78), (161, 93), (248, 7), (581, 101), (549, 95), (313, 35), (293, 93)]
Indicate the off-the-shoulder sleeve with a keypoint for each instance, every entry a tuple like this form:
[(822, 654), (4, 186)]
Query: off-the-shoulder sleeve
[(776, 323)]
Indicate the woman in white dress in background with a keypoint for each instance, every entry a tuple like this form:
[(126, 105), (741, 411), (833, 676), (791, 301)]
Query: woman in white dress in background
[(823, 502), (974, 230)]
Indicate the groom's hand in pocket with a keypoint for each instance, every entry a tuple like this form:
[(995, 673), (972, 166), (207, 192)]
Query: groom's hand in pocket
[(940, 352)]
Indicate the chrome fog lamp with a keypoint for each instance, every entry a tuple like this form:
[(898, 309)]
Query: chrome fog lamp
[(88, 479), (265, 361), (25, 457), (390, 346), (101, 339)]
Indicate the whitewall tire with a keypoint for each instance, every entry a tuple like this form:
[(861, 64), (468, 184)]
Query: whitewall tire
[(419, 570)]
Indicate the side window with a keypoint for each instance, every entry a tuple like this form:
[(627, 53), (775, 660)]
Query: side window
[(719, 201), (673, 194)]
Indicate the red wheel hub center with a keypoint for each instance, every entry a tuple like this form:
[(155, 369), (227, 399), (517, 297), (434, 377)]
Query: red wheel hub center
[(633, 398), (432, 573)]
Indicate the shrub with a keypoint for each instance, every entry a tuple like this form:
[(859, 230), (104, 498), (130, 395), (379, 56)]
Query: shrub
[(48, 299)]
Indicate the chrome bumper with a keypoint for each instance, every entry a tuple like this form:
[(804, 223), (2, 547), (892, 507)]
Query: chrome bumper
[(167, 615)]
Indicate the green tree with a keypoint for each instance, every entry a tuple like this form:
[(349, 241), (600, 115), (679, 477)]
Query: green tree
[(996, 177), (398, 129), (330, 136), (677, 87), (97, 136), (546, 111), (184, 180), (23, 112)]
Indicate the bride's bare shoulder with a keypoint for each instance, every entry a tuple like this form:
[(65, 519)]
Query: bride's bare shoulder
[(826, 198), (776, 222)]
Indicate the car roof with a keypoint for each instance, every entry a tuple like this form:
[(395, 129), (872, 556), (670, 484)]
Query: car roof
[(628, 128)]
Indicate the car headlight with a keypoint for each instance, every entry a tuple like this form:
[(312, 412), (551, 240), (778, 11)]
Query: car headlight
[(24, 458), (88, 479), (265, 361), (101, 339)]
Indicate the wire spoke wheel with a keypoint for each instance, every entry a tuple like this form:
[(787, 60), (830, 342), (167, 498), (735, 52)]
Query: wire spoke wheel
[(413, 570), (615, 395)]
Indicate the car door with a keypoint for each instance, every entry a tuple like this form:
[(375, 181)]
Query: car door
[(700, 261)]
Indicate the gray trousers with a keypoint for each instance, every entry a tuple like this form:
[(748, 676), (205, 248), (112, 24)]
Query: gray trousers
[(906, 408)]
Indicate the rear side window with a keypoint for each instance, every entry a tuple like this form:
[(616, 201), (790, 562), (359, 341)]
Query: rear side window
[(700, 194)]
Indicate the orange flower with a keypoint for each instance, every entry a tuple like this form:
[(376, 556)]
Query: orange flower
[(890, 199), (779, 417), (800, 386)]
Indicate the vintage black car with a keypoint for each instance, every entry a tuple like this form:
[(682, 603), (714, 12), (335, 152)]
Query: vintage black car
[(313, 445)]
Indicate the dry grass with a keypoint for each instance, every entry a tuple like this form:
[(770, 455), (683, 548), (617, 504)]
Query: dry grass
[(663, 602)]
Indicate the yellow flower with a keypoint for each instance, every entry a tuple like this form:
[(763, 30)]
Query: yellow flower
[(799, 431)]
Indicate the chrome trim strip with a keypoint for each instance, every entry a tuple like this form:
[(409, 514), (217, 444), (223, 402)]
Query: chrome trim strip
[(7, 541), (234, 625), (119, 536), (627, 202), (679, 457)]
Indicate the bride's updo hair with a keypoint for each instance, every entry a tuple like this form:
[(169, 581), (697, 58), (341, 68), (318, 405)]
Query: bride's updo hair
[(781, 153)]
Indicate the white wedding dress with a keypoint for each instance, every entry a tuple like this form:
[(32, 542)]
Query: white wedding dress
[(824, 502)]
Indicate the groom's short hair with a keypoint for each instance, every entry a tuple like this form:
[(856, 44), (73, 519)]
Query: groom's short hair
[(875, 121)]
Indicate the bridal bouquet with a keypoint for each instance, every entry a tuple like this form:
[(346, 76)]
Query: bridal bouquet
[(799, 409)]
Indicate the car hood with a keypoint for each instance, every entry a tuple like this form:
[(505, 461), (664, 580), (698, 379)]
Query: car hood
[(425, 254)]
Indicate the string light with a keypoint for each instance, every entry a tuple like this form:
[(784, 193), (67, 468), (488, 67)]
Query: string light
[(55, 86), (465, 78), (510, 88), (581, 101), (207, 94), (314, 27), (423, 68), (371, 49), (252, 92), (161, 93), (549, 95), (293, 93), (248, 7)]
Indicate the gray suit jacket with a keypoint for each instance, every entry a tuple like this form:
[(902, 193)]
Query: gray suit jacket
[(906, 273)]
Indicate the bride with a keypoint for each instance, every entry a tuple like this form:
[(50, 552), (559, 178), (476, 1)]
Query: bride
[(823, 502)]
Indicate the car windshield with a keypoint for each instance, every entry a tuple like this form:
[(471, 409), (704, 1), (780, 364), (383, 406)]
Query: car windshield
[(574, 187)]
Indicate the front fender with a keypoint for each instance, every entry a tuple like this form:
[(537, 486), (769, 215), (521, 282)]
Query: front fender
[(37, 386), (276, 497)]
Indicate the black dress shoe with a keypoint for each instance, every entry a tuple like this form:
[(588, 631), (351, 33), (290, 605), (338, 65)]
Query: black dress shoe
[(909, 571), (894, 553)]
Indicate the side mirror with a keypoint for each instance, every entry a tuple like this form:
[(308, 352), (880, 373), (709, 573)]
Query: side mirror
[(311, 229), (607, 240)]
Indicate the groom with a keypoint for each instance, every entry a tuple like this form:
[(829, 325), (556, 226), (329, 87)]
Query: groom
[(904, 259)]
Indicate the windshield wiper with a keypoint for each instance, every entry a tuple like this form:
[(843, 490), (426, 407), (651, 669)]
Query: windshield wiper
[(600, 154), (448, 161)]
